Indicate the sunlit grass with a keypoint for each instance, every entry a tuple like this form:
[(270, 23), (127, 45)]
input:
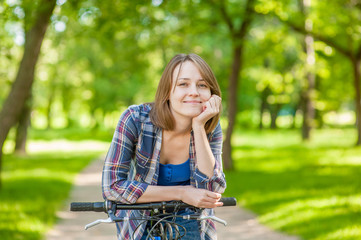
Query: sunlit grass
[(310, 189), (35, 186)]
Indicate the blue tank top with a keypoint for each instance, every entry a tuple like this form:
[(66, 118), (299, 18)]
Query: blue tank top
[(173, 175)]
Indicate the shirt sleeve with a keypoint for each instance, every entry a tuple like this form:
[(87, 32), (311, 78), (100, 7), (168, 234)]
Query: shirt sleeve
[(216, 183), (118, 171)]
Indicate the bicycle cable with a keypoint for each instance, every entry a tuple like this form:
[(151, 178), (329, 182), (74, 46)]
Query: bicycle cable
[(169, 230)]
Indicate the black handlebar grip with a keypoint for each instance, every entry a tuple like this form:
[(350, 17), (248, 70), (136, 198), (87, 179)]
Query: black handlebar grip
[(87, 206), (229, 201)]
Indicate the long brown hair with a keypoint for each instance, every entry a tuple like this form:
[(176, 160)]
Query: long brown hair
[(160, 114)]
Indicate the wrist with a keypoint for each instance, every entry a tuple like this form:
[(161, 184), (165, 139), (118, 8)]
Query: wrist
[(180, 193), (197, 125)]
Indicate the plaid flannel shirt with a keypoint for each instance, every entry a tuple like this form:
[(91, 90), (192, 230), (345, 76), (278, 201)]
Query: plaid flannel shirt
[(132, 163)]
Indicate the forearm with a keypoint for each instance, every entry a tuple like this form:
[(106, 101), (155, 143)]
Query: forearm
[(205, 159), (161, 193), (193, 196)]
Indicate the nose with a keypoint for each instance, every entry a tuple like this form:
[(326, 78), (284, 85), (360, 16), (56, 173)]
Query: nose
[(193, 91)]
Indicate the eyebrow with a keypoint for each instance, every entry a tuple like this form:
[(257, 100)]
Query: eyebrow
[(185, 78)]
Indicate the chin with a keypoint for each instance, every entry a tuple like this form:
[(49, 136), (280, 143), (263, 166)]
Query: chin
[(194, 113)]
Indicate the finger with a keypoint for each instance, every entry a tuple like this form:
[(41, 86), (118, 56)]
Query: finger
[(210, 200), (214, 195), (212, 205), (212, 105), (206, 106), (216, 97), (212, 102), (218, 101)]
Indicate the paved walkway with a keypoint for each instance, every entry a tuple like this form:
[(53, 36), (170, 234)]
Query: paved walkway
[(242, 224)]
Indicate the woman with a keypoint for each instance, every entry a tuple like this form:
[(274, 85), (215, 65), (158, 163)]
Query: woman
[(170, 149)]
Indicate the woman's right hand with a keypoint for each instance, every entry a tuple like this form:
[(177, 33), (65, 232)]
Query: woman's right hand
[(200, 198)]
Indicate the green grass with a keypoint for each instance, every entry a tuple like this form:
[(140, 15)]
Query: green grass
[(308, 189), (73, 134), (35, 186)]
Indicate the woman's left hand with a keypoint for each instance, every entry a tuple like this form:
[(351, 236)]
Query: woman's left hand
[(210, 109)]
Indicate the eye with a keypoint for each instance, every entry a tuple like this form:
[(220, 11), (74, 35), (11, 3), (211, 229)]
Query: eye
[(203, 85), (182, 84)]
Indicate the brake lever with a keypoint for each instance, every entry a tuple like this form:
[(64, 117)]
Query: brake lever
[(217, 219), (197, 217), (96, 222)]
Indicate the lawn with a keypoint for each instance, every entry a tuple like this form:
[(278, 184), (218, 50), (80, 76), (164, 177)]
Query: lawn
[(34, 187), (309, 189)]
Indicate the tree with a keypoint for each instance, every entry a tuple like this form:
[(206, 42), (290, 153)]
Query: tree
[(309, 88), (22, 128), (21, 88), (238, 36), (345, 25)]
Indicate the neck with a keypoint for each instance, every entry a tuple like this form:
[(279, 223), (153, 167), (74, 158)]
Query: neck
[(182, 127)]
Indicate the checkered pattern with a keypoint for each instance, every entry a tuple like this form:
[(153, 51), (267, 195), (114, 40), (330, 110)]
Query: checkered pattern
[(132, 163)]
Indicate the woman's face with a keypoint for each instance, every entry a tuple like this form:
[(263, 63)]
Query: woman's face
[(189, 92)]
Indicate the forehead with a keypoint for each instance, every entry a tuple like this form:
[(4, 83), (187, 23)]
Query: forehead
[(186, 70)]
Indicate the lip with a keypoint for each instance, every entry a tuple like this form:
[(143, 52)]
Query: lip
[(193, 102)]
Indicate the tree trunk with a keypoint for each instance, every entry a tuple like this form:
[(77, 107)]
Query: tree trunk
[(318, 119), (306, 124), (232, 107), (49, 106), (264, 95), (354, 57), (274, 109), (262, 108), (238, 38), (264, 104), (357, 74), (22, 129), (21, 87), (308, 109)]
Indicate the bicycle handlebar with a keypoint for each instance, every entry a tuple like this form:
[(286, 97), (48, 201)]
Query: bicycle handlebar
[(104, 206), (88, 206), (229, 201)]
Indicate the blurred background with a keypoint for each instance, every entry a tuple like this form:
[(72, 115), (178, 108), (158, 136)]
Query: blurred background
[(289, 71)]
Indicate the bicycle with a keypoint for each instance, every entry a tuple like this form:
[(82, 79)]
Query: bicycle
[(161, 228)]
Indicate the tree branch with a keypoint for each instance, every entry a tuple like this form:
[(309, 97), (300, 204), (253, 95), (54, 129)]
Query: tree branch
[(358, 53), (247, 19), (226, 17), (348, 53)]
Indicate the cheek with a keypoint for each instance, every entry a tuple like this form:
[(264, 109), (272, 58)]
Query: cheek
[(176, 96), (206, 94), (179, 94)]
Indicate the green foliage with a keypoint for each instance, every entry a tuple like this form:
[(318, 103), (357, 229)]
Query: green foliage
[(35, 187), (307, 189), (101, 56)]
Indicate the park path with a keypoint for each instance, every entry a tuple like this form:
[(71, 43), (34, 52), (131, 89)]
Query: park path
[(242, 224)]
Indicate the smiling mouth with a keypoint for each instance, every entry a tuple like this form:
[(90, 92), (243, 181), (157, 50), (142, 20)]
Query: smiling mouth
[(194, 102)]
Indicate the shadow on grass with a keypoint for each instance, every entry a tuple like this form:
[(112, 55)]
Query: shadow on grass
[(6, 233), (300, 202), (34, 188), (327, 226), (305, 190), (28, 206)]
